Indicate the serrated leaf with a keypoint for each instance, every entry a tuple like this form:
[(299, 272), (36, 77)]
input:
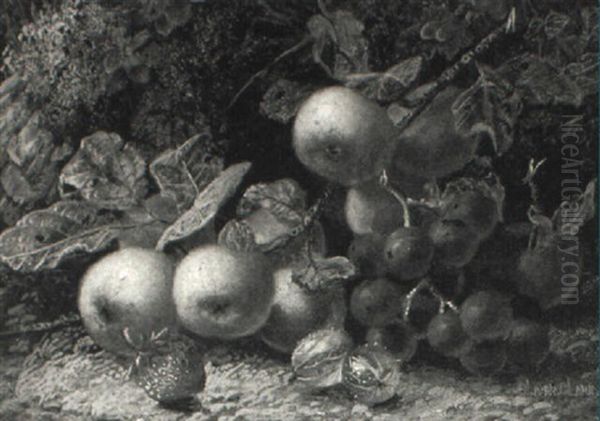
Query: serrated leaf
[(105, 171), (184, 172), (321, 273), (43, 239), (206, 205), (283, 198), (490, 106), (540, 83)]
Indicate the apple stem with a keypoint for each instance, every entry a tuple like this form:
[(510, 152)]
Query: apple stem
[(400, 197)]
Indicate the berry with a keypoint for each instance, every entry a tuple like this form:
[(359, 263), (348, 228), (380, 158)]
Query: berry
[(454, 242), (171, 377), (446, 335), (528, 343), (318, 358), (330, 138), (371, 374), (407, 253), (419, 309), (485, 358), (376, 302), (397, 338), (486, 315)]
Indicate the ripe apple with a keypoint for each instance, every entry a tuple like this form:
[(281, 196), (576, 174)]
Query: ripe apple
[(343, 136), (222, 293), (127, 288), (296, 312)]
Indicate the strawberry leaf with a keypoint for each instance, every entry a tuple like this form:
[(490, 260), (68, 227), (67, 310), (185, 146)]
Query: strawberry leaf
[(43, 239), (490, 106), (206, 205), (106, 172), (321, 273), (182, 173)]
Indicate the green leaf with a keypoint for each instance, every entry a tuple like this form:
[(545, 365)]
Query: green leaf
[(43, 239), (206, 205), (182, 173), (106, 172)]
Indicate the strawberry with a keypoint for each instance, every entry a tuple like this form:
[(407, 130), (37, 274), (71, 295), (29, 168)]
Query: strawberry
[(170, 371)]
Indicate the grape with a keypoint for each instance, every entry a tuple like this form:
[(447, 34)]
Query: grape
[(365, 252), (407, 253), (455, 243), (319, 357), (486, 315), (528, 344), (371, 374), (446, 335), (376, 302), (485, 358), (370, 208), (398, 338), (421, 309)]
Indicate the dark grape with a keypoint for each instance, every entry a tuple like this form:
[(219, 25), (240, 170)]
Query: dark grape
[(486, 315), (528, 343), (371, 374), (485, 358), (398, 338), (446, 335), (421, 309), (376, 302), (365, 252), (454, 242), (407, 253)]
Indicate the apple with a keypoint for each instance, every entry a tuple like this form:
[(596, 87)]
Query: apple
[(221, 293), (129, 288), (343, 136), (296, 312)]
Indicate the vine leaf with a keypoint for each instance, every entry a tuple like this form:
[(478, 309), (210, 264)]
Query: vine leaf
[(44, 238), (490, 106), (238, 236), (106, 172), (206, 205), (387, 86), (540, 83), (322, 273), (183, 172)]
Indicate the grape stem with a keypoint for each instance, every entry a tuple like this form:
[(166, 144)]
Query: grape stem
[(400, 197)]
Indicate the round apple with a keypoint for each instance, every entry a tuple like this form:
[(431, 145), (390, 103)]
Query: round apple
[(343, 136), (296, 312), (130, 288), (222, 293)]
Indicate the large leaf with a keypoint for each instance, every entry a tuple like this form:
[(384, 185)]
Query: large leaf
[(184, 172), (207, 204), (490, 106), (105, 171), (284, 198), (322, 273), (44, 238), (540, 83)]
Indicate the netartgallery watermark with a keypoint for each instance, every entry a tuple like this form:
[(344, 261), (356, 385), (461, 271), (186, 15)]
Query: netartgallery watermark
[(572, 133)]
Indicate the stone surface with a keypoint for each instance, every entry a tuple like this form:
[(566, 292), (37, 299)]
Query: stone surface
[(72, 381)]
